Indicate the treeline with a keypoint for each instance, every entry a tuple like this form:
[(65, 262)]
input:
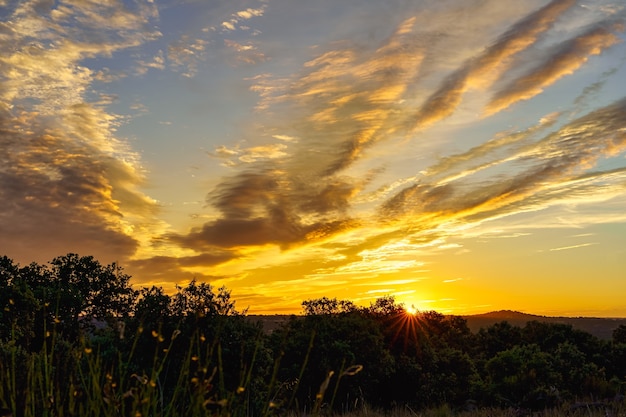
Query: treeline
[(77, 339)]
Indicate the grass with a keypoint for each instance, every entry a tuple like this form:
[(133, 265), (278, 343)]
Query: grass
[(65, 379)]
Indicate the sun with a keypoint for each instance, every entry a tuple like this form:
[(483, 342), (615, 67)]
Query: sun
[(412, 310), (407, 329)]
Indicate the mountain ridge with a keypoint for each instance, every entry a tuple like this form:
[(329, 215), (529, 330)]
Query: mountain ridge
[(601, 327)]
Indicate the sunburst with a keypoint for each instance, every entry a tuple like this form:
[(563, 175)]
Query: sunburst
[(407, 329)]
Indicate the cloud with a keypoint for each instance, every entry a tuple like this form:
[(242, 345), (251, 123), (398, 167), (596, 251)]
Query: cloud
[(549, 171), (247, 53), (593, 89), (157, 62), (479, 71), (238, 155), (167, 270), (563, 60), (286, 197), (68, 185), (185, 54), (234, 22), (331, 173), (257, 208), (64, 195), (285, 138), (488, 153), (582, 245), (348, 98), (228, 25)]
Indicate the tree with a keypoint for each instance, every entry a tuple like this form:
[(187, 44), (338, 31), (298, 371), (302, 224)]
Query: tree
[(385, 306), (311, 347), (74, 291), (98, 291), (200, 300), (18, 305), (619, 334), (326, 305), (152, 304), (522, 376), (497, 338)]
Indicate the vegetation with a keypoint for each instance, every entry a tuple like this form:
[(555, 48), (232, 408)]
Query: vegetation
[(76, 339)]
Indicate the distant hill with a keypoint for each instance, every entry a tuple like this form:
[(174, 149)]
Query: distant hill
[(599, 327), (270, 322)]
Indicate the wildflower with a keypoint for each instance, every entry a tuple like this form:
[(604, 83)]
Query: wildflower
[(121, 327), (11, 301), (221, 403), (194, 358), (175, 334), (88, 350), (324, 386), (143, 379), (202, 338), (240, 390), (130, 393), (155, 333), (353, 370)]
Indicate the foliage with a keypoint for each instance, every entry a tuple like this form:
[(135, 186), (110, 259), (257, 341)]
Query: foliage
[(77, 339)]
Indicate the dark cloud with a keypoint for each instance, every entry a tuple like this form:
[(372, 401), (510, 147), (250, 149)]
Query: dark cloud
[(56, 198), (167, 269), (279, 228), (268, 206)]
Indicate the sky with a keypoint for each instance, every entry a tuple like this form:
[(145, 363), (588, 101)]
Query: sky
[(462, 156)]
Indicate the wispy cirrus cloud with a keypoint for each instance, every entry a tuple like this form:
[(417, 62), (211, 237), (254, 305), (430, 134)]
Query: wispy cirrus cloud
[(563, 60), (480, 71), (547, 170), (582, 245)]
